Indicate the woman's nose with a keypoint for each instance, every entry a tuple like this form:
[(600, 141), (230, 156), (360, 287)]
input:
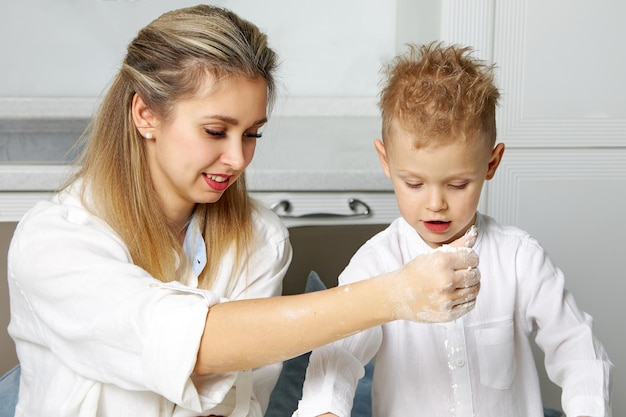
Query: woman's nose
[(233, 154)]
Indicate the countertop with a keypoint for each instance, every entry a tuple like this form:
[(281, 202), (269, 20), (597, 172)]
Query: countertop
[(296, 153)]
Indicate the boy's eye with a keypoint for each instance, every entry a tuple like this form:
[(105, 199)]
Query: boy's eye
[(413, 185), (458, 186)]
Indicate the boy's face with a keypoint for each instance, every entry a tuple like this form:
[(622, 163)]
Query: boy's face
[(437, 187)]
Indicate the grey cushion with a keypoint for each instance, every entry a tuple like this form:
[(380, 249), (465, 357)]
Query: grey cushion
[(9, 388)]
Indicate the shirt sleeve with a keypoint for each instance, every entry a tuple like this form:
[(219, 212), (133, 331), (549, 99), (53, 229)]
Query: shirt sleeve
[(77, 293), (334, 370), (333, 374), (574, 358)]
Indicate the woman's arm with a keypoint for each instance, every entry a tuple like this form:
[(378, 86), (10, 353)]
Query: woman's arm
[(439, 286)]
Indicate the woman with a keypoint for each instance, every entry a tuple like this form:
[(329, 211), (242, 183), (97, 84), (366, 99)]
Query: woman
[(147, 286)]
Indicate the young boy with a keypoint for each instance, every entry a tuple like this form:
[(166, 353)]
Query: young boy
[(439, 146)]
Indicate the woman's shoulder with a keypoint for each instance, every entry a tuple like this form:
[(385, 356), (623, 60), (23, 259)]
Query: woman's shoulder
[(267, 223), (64, 211)]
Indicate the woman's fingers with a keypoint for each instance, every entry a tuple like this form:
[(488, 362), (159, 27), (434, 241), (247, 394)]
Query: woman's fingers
[(467, 277), (465, 295), (443, 284), (468, 239), (460, 310)]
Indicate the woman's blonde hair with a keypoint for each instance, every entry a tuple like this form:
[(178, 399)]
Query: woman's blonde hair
[(167, 62)]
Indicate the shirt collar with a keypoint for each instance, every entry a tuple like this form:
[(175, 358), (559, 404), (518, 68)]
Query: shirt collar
[(195, 247)]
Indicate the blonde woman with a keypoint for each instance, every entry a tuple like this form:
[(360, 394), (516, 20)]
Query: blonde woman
[(149, 285)]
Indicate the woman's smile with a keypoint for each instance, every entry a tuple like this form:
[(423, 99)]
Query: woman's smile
[(217, 182)]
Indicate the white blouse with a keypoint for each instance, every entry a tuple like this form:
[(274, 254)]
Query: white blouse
[(98, 336), (479, 365)]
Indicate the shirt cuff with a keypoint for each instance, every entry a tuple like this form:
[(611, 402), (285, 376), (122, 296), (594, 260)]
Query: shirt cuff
[(177, 323), (586, 406), (330, 384)]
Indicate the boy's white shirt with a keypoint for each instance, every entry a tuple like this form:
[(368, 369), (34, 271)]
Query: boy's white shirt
[(97, 335), (479, 365)]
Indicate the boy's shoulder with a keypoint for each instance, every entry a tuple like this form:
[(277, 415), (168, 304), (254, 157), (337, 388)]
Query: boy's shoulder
[(381, 253), (489, 223), (392, 233), (500, 233), (390, 242)]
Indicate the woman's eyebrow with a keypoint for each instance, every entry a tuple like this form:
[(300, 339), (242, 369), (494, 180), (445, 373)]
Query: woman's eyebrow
[(233, 121)]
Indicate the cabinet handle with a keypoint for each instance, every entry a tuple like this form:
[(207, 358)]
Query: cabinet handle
[(358, 207)]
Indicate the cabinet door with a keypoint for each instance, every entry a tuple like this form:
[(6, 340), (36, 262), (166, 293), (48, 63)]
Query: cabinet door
[(562, 117)]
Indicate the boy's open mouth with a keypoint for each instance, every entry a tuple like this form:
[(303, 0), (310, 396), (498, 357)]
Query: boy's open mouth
[(437, 226)]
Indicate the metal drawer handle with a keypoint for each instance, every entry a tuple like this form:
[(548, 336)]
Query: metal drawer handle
[(358, 207)]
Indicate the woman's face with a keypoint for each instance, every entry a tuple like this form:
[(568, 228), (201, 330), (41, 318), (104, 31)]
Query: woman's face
[(206, 144)]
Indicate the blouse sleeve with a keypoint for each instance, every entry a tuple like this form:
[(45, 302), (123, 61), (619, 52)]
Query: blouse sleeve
[(76, 292)]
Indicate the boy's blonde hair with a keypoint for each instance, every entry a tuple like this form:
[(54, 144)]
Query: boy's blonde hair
[(167, 62), (439, 92)]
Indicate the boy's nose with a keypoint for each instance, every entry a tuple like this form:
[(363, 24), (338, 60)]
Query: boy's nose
[(436, 201)]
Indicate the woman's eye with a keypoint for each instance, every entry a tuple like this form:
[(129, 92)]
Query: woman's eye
[(222, 133), (256, 135), (215, 133)]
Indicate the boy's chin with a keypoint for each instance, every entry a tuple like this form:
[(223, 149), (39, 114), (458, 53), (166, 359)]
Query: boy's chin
[(436, 241)]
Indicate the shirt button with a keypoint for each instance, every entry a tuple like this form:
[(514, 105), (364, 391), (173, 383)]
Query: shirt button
[(460, 362)]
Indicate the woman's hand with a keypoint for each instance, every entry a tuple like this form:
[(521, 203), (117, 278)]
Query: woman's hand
[(438, 286)]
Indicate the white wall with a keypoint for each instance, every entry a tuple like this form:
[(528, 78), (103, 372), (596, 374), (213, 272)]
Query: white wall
[(72, 48)]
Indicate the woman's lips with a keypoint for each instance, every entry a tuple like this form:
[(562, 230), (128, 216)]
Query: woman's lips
[(437, 226), (217, 182)]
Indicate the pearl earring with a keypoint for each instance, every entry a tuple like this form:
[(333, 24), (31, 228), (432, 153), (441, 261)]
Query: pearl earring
[(148, 135)]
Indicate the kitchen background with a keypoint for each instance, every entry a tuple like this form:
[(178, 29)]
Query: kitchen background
[(563, 118)]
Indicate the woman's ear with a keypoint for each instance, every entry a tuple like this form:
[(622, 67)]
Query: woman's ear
[(382, 156), (143, 117), (494, 161)]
